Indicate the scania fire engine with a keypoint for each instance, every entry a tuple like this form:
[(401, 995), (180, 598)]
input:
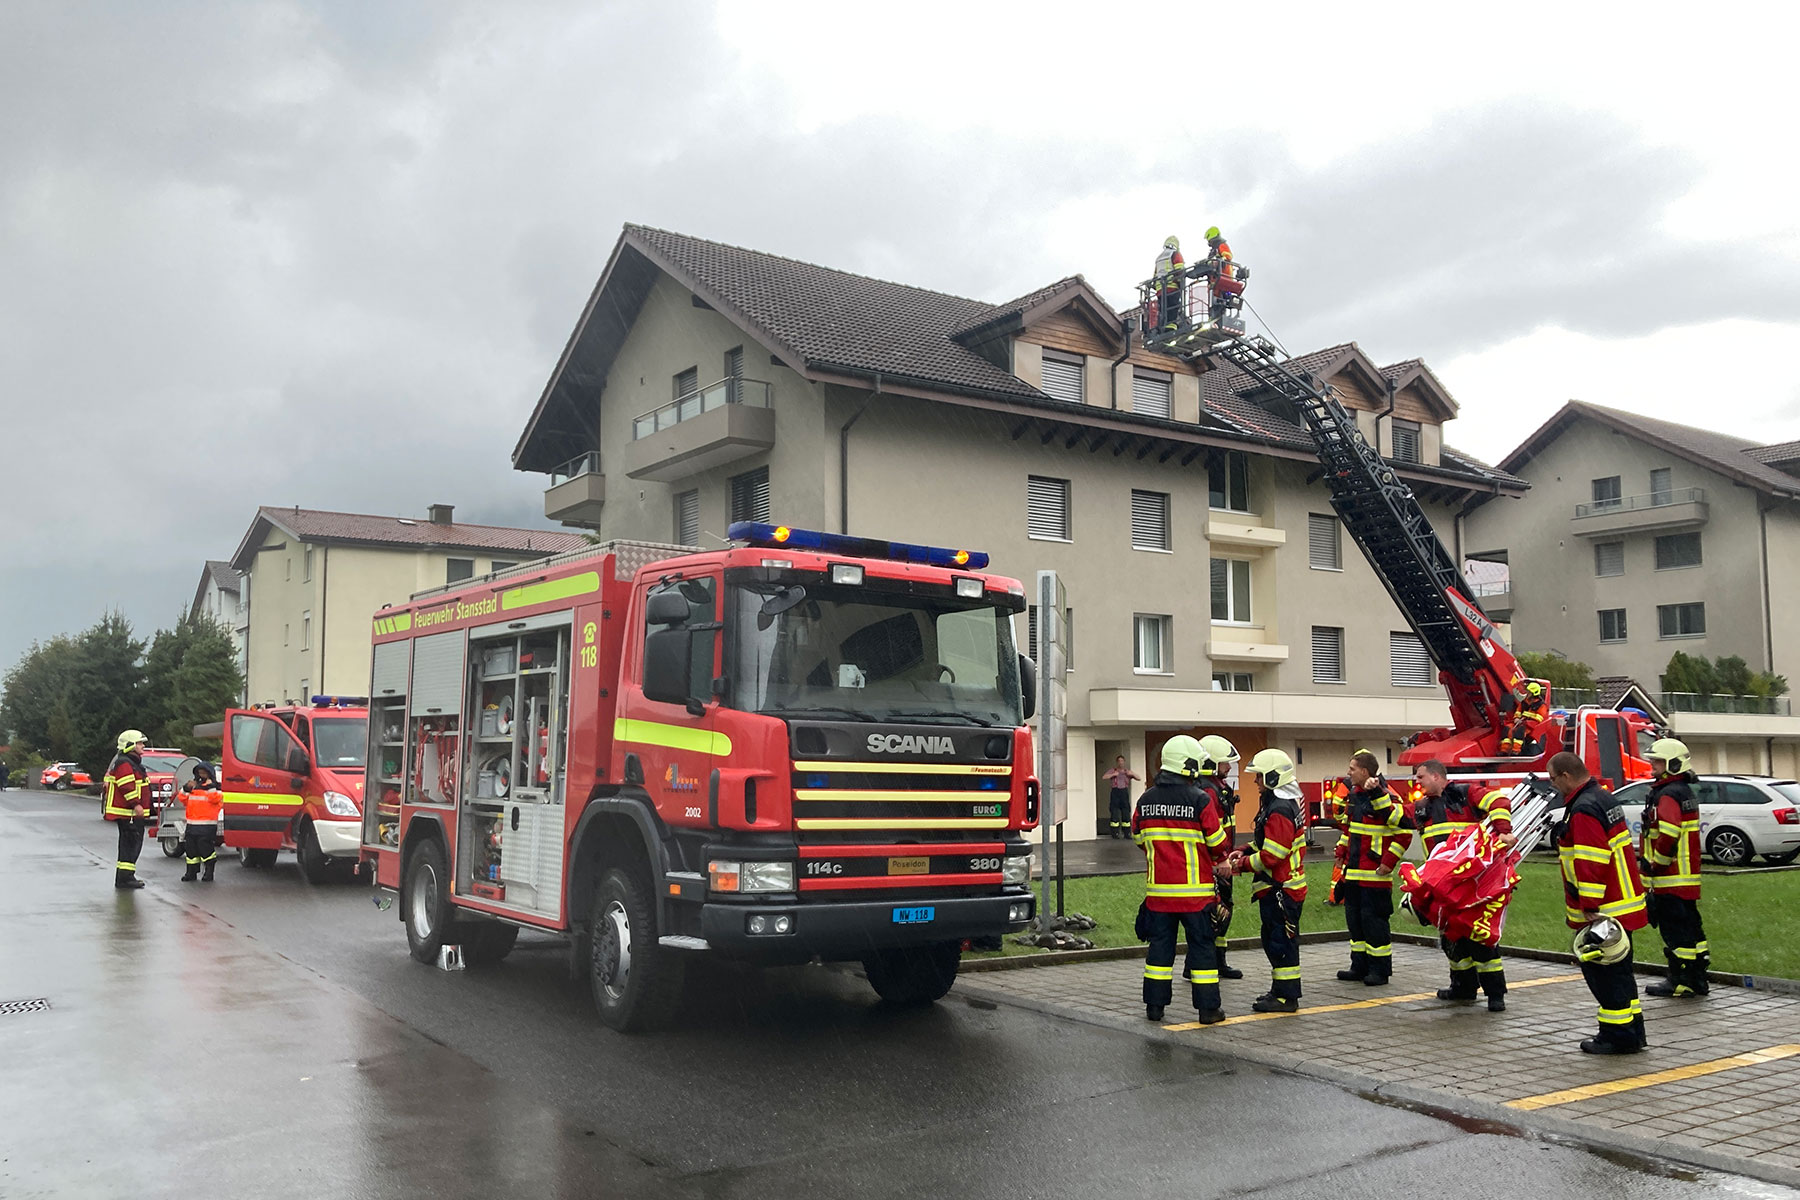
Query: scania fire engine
[(806, 746)]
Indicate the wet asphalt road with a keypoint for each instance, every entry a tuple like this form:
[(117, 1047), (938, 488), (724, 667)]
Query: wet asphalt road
[(283, 1040)]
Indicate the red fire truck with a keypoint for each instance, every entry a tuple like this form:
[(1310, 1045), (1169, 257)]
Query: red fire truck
[(292, 775), (805, 746)]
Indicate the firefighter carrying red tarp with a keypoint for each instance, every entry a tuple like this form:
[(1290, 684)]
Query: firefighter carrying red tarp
[(1603, 900), (1447, 809), (1276, 858), (1379, 834), (1533, 708), (1177, 823), (1670, 860), (127, 805)]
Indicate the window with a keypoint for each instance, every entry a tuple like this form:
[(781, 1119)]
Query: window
[(734, 363), (1606, 491), (1408, 664), (1047, 508), (1233, 681), (687, 518), (1609, 558), (1153, 393), (687, 383), (287, 567), (750, 495), (1228, 481), (306, 631), (500, 564), (261, 742), (1742, 793), (1324, 545), (1149, 654), (1149, 520), (701, 595), (1065, 376), (304, 694), (1680, 620), (1406, 441), (1328, 653), (1676, 550), (1231, 590), (1660, 486), (458, 569), (1612, 624), (306, 564)]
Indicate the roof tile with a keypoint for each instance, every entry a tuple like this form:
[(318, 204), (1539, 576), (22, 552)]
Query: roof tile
[(314, 525)]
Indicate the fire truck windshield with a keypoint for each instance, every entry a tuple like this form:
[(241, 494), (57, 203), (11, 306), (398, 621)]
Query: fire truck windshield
[(340, 741), (859, 653)]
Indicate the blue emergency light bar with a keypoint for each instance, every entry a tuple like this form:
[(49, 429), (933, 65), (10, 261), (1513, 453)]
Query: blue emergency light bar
[(339, 701), (781, 537)]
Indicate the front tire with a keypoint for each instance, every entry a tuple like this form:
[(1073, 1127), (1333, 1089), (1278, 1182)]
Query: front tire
[(426, 895), (636, 982), (313, 863), (913, 975), (486, 943), (1729, 848)]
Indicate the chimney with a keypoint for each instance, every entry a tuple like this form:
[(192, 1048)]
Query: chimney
[(440, 514)]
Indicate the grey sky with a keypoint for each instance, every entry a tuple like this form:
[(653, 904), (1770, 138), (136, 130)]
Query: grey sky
[(326, 253)]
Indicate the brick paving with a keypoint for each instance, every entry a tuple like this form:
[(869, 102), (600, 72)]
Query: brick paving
[(1419, 1049)]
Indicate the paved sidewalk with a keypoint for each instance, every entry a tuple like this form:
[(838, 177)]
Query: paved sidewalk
[(1720, 1084)]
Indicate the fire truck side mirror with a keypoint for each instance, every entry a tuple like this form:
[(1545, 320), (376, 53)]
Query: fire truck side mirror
[(667, 652), (1028, 685)]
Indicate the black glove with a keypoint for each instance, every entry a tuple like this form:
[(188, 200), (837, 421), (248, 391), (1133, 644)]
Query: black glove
[(1142, 927)]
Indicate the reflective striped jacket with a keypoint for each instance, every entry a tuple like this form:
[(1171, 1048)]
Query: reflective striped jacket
[(127, 785), (1451, 811), (1278, 848), (1178, 825), (1599, 864), (1671, 839), (202, 805), (1379, 833)]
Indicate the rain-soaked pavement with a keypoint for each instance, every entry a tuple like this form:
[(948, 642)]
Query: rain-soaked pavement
[(260, 1037)]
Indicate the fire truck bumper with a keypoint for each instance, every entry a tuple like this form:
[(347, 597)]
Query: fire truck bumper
[(777, 931), (339, 839)]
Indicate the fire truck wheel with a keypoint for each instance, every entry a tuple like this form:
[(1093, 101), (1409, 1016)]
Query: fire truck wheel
[(427, 900), (913, 974), (487, 942), (313, 863), (636, 982)]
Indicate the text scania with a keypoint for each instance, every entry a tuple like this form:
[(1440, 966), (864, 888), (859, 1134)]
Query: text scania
[(910, 743), (458, 611)]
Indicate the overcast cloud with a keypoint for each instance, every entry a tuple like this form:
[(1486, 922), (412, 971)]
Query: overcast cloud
[(325, 254)]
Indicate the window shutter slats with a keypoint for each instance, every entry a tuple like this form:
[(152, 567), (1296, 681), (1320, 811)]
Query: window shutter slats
[(1323, 546), (1408, 664), (1047, 508), (687, 518), (750, 496), (1153, 397), (1064, 379), (1149, 520), (1328, 654)]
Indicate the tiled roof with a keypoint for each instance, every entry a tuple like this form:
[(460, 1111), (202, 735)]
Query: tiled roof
[(1396, 370), (223, 576), (1780, 452), (313, 525), (1733, 457)]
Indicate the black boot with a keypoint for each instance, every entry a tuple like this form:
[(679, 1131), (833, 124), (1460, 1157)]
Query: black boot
[(1226, 972), (1275, 1004), (1153, 1012), (1599, 1045)]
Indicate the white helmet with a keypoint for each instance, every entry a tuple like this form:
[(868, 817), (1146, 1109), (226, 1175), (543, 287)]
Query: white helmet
[(1603, 941), (1218, 751), (1272, 768)]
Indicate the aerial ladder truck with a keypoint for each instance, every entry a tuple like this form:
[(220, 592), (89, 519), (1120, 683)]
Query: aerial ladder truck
[(1190, 316)]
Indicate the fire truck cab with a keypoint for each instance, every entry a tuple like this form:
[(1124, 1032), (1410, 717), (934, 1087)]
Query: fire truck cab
[(808, 746), (292, 775)]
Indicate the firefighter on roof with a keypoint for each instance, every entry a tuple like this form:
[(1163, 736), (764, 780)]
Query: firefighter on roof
[(1603, 901), (127, 806), (1670, 855), (1533, 707), (1446, 811), (1216, 770), (1380, 832), (1227, 286), (1170, 280), (1177, 824), (202, 802), (1276, 858)]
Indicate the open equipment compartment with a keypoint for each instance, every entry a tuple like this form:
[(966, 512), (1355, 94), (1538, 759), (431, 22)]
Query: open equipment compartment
[(386, 761)]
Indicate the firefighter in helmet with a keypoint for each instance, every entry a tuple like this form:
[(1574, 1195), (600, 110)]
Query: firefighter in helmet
[(1445, 811), (1216, 772), (127, 805), (1669, 857), (1379, 834), (1533, 706), (1178, 825), (1227, 285), (1276, 861), (1169, 281)]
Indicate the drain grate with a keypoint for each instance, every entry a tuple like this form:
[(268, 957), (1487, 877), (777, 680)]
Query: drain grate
[(13, 1007)]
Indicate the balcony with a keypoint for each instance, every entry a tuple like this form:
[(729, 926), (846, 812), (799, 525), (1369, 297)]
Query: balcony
[(1657, 512), (577, 491), (1495, 599), (1243, 534), (721, 423)]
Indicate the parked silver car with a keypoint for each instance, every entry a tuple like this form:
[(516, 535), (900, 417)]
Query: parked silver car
[(1741, 816)]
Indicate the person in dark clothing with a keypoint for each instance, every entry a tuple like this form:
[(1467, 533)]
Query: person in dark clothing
[(1177, 823), (127, 805), (1669, 858), (1379, 833), (1445, 811), (1276, 861), (1603, 899), (1119, 801)]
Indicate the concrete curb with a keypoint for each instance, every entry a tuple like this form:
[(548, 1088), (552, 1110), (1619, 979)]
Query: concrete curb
[(1440, 1104)]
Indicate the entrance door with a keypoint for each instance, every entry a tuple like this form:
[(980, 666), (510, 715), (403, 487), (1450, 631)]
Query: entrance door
[(264, 780)]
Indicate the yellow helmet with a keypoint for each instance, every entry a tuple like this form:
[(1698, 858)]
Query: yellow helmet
[(1218, 753), (130, 738), (1672, 753), (1182, 755), (1171, 242), (1534, 689), (1272, 768), (1213, 233)]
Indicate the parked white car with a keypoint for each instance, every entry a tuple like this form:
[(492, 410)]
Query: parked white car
[(1741, 816)]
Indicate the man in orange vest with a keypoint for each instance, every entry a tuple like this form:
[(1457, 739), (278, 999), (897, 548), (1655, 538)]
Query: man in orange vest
[(203, 802), (127, 805)]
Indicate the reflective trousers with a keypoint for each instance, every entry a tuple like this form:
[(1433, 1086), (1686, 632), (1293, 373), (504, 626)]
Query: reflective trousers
[(1616, 997), (1474, 965), (1366, 912), (201, 847), (131, 844), (1202, 967), (1281, 941), (1684, 940)]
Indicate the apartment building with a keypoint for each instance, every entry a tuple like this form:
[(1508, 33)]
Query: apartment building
[(310, 583), (1639, 538), (217, 596), (1210, 586)]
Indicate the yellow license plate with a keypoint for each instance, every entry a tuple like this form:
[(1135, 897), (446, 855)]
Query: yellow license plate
[(909, 866)]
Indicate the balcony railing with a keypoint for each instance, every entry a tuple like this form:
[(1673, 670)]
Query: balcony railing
[(751, 392), (585, 464), (1687, 495), (1759, 706), (1492, 587)]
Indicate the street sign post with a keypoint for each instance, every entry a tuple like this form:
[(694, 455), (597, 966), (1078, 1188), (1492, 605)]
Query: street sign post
[(1053, 730)]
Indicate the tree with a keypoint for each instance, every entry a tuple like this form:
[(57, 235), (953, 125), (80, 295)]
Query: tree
[(1729, 675), (105, 690), (1563, 674), (33, 688), (204, 683)]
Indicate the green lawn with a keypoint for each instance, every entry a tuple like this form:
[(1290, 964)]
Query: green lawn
[(1752, 920)]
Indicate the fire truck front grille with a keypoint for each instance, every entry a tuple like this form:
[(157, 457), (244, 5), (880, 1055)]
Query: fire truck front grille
[(884, 795)]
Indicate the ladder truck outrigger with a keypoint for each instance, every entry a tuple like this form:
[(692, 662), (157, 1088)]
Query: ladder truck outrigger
[(1192, 314)]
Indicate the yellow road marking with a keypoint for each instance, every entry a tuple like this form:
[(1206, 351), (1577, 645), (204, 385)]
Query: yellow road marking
[(1674, 1075), (1379, 1002)]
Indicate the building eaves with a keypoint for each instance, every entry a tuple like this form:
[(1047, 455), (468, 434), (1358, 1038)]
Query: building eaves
[(319, 527), (1720, 452)]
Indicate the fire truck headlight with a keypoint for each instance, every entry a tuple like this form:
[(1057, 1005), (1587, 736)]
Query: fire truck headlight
[(1019, 912), (339, 805), (768, 877), (968, 587), (723, 876), (1017, 869), (847, 573)]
